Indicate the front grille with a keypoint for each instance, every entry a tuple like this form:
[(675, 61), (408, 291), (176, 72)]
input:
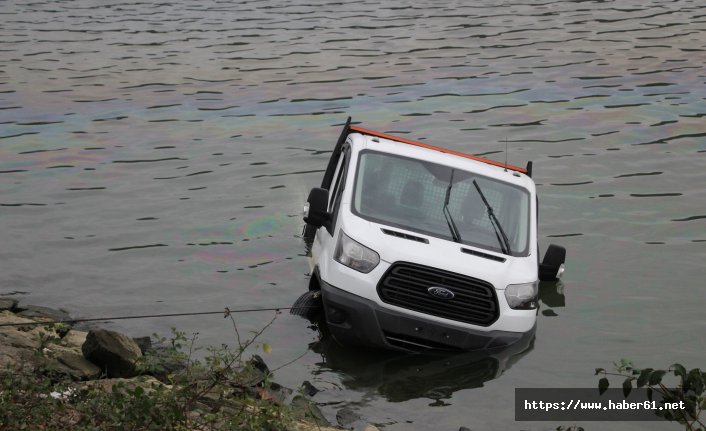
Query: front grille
[(405, 285)]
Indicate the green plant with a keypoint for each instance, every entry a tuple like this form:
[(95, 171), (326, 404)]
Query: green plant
[(165, 357), (24, 399), (48, 335), (688, 394), (223, 391)]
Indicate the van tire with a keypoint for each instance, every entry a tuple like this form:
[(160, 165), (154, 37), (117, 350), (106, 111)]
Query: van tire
[(308, 305), (553, 259)]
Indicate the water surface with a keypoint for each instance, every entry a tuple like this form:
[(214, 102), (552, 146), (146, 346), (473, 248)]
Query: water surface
[(154, 158)]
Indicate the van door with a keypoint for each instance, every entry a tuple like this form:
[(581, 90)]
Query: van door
[(330, 172), (325, 235)]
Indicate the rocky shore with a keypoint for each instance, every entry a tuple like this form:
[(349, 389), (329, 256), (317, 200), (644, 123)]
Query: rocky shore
[(110, 361)]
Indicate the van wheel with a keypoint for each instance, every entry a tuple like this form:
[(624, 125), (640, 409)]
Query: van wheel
[(552, 265), (309, 305)]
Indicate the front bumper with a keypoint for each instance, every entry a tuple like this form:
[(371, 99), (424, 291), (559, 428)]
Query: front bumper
[(355, 320)]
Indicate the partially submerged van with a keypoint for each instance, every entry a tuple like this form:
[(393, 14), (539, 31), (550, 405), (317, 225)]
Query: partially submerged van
[(415, 247)]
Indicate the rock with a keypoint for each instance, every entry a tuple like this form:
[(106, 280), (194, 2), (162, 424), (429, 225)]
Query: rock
[(79, 367), (308, 426), (20, 336), (464, 429), (254, 373), (20, 343), (309, 389), (10, 317), (268, 395), (19, 339), (259, 364), (144, 343), (347, 418), (74, 339), (7, 304), (53, 350), (250, 376), (148, 383), (168, 362), (9, 356), (113, 352), (39, 312), (304, 409), (276, 392)]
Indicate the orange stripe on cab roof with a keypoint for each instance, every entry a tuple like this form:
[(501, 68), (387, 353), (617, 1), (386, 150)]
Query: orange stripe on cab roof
[(431, 147)]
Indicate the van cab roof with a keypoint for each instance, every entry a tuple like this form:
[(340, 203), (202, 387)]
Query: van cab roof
[(527, 171)]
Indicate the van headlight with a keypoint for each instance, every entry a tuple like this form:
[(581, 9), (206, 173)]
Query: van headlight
[(522, 296), (355, 255)]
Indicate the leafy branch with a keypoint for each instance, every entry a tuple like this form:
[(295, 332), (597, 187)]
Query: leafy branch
[(683, 404)]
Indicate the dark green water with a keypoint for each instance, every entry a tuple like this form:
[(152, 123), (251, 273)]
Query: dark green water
[(154, 158)]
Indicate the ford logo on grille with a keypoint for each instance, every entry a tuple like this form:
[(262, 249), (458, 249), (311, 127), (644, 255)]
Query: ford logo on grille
[(440, 292)]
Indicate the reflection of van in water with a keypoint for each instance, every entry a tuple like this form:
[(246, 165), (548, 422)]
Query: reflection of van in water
[(399, 377), (416, 247)]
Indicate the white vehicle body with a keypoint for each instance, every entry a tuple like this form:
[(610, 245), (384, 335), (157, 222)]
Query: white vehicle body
[(423, 248)]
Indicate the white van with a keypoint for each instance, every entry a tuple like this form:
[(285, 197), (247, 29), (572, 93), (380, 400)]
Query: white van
[(415, 247)]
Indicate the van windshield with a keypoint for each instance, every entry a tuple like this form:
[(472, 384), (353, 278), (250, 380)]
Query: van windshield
[(411, 194)]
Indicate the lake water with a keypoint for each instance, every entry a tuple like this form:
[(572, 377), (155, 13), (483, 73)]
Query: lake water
[(154, 158)]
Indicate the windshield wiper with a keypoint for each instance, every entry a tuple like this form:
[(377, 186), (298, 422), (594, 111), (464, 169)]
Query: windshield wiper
[(504, 243), (449, 220)]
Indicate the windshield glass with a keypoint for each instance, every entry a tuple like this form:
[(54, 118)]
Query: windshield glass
[(411, 194)]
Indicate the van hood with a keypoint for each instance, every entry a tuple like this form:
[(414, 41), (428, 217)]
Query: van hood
[(395, 244)]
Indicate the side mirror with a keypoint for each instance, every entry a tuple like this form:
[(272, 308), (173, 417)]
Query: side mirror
[(552, 266), (315, 212)]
